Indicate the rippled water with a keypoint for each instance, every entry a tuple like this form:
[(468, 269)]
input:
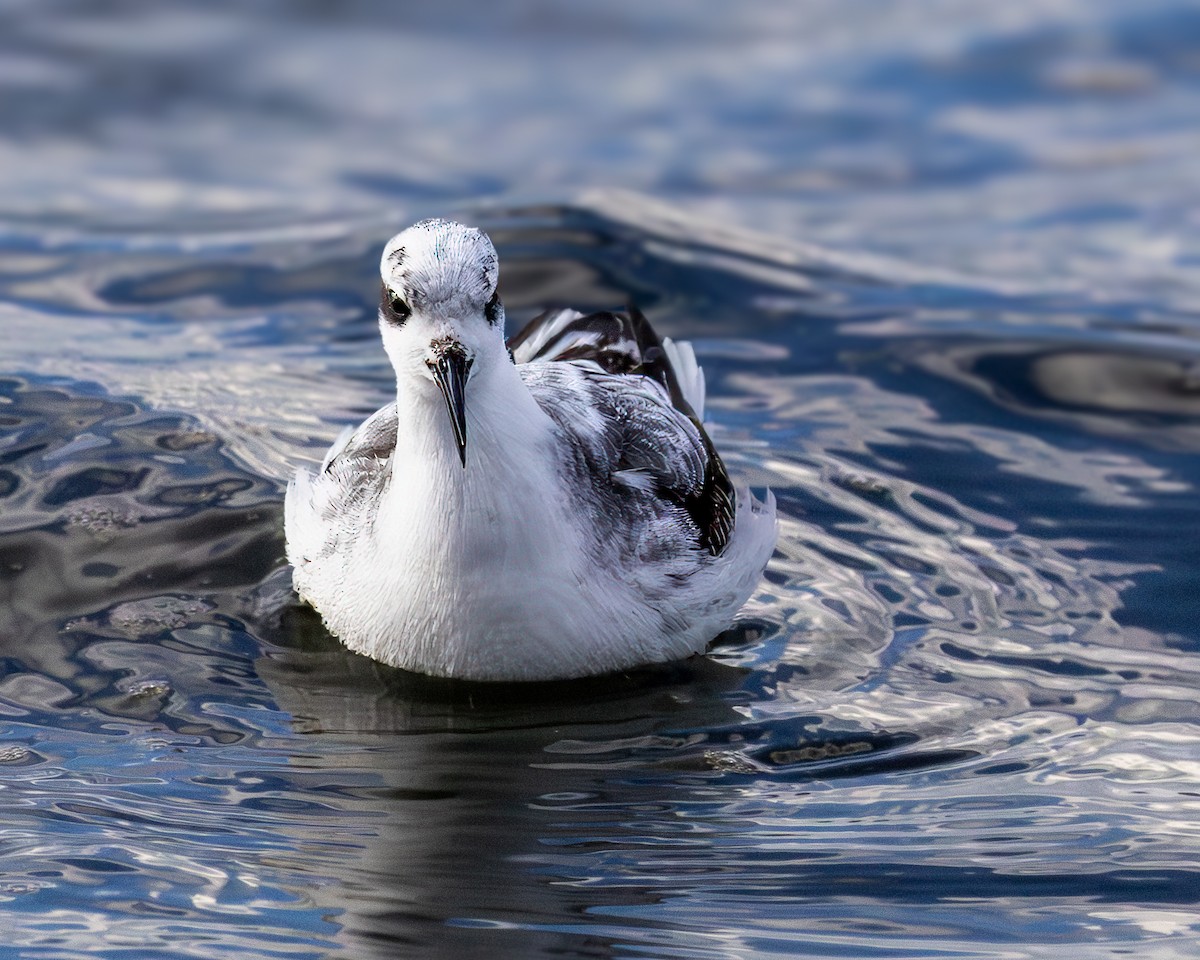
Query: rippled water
[(939, 261)]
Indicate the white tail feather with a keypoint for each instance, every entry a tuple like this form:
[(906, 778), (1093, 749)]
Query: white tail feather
[(689, 373)]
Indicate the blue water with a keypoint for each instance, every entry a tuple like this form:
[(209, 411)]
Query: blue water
[(941, 261)]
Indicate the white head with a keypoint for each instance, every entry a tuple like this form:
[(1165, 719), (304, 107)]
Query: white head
[(440, 314)]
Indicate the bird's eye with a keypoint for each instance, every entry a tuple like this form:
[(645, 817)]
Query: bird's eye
[(395, 310)]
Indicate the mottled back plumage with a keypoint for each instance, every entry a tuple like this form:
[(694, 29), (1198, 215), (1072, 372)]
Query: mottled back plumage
[(622, 360)]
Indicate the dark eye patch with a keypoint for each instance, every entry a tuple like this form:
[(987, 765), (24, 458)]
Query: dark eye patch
[(393, 308), (492, 309)]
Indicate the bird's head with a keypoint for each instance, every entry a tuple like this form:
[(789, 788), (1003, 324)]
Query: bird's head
[(440, 313)]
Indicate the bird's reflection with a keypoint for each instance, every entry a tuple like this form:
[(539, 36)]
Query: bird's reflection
[(472, 786)]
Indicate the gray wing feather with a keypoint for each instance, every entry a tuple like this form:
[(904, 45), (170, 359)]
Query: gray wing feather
[(626, 348), (373, 439), (324, 510), (354, 472), (624, 430), (651, 435)]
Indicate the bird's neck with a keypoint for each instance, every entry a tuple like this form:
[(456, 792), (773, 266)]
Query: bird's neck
[(500, 508), (505, 427)]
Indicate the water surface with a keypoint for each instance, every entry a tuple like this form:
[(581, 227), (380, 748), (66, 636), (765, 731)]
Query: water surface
[(939, 264)]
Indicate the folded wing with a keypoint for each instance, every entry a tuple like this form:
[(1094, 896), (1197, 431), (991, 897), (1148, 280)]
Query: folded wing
[(634, 403)]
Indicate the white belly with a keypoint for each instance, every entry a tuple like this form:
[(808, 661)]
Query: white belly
[(482, 573)]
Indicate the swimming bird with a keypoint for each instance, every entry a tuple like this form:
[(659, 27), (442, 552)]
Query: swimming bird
[(546, 508)]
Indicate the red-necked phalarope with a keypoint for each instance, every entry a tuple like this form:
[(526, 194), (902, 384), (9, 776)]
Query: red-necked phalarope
[(536, 510)]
